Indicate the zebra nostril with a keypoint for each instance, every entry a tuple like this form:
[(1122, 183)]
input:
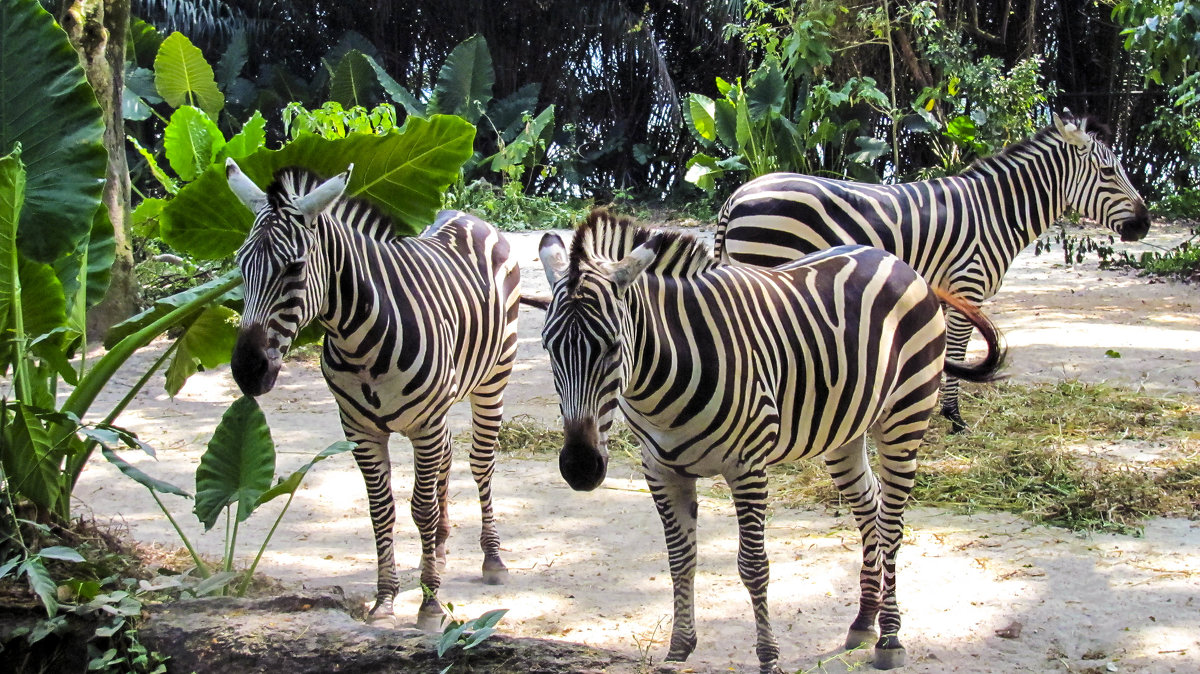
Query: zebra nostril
[(253, 366)]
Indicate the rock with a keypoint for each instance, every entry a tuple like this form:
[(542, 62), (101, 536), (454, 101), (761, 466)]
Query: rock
[(299, 634)]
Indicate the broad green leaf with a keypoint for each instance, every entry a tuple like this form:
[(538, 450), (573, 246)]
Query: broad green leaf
[(508, 114), (12, 196), (464, 85), (191, 142), (396, 92), (517, 152), (145, 216), (703, 171), (141, 82), (183, 77), (134, 473), (489, 619), (165, 306), (100, 250), (160, 175), (207, 342), (29, 463), (47, 105), (60, 552), (700, 112), (477, 637), (247, 141), (353, 81), (403, 173), (42, 584), (726, 123), (290, 484), (870, 149), (239, 464), (765, 91), (133, 108), (43, 305), (143, 43), (232, 61)]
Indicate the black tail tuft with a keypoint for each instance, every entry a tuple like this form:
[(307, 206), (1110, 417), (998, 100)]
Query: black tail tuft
[(987, 369)]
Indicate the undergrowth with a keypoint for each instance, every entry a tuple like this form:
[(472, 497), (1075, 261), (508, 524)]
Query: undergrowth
[(1028, 452)]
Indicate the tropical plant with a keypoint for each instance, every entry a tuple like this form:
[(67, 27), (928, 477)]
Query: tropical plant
[(466, 634)]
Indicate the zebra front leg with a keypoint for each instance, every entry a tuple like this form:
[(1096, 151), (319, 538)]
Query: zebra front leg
[(431, 447), (487, 409), (675, 498), (851, 473), (958, 335), (750, 498), (371, 455)]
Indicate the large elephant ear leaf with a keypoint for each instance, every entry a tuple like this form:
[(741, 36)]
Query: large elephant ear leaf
[(353, 81), (183, 77), (239, 464), (404, 174), (464, 85), (48, 107)]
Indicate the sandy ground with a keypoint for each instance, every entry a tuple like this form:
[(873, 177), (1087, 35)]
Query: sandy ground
[(592, 567)]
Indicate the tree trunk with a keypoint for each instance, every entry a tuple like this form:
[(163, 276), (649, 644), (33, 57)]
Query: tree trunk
[(97, 28)]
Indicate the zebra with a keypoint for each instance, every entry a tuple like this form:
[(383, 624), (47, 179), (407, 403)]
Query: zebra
[(961, 233), (725, 370), (411, 326)]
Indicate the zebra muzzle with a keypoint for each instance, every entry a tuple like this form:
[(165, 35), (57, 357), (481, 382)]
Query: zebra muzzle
[(1136, 227), (254, 363), (582, 462)]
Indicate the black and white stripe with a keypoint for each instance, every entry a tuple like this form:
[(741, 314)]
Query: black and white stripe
[(412, 325), (724, 370), (961, 233)]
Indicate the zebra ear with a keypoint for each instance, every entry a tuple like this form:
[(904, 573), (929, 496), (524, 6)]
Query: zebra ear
[(323, 195), (554, 257), (1075, 135), (625, 272), (244, 188)]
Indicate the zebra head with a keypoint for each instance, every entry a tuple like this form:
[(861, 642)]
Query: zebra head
[(1098, 187), (282, 290), (587, 336)]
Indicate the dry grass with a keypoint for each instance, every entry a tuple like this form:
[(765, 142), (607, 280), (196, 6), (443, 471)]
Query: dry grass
[(1030, 451)]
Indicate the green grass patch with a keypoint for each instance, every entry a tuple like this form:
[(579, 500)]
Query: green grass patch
[(1027, 452)]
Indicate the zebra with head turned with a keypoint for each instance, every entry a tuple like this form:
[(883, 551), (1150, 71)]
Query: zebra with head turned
[(961, 233), (411, 324), (724, 370)]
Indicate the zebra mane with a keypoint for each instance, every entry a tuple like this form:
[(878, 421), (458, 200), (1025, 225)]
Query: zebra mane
[(1095, 128), (293, 181), (607, 237)]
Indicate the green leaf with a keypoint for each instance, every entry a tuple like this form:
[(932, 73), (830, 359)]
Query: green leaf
[(765, 90), (165, 306), (145, 216), (191, 142), (477, 637), (247, 141), (183, 77), (1112, 353), (239, 464), (47, 105), (464, 85), (353, 81), (232, 61), (508, 114), (701, 116), (135, 474), (43, 304), (12, 196), (30, 463), (292, 482), (489, 619), (9, 566), (703, 171), (207, 342), (143, 43), (60, 552), (726, 123), (42, 584), (161, 176), (395, 91), (403, 173)]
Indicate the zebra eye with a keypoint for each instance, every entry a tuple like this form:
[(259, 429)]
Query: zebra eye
[(1108, 171), (294, 268)]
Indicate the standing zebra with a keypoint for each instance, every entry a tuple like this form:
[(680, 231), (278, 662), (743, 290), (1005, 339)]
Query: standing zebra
[(961, 233), (412, 325), (725, 370)]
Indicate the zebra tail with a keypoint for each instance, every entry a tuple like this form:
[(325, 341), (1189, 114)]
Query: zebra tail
[(536, 301), (987, 369)]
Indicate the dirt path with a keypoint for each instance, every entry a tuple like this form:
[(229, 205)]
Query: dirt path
[(592, 567)]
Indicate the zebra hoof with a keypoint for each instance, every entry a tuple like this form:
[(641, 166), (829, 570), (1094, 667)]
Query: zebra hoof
[(890, 658), (430, 616), (495, 576), (681, 647), (860, 638)]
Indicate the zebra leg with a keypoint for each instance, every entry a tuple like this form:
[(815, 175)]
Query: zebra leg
[(675, 498), (851, 473), (958, 335), (371, 455), (898, 469), (750, 498), (431, 448), (487, 408), (443, 500)]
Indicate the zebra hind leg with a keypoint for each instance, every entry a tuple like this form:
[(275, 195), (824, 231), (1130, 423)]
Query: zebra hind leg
[(675, 498), (750, 498), (851, 473), (958, 335), (431, 447), (487, 409), (371, 455)]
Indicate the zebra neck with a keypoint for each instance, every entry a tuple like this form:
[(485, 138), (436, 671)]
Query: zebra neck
[(363, 277)]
